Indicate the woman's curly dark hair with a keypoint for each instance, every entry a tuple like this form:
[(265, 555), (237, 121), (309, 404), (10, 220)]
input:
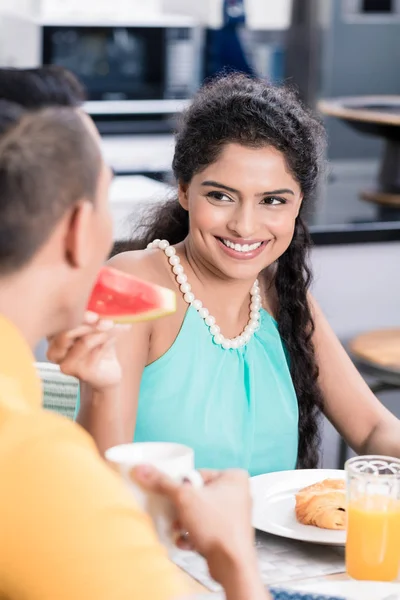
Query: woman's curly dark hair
[(239, 109)]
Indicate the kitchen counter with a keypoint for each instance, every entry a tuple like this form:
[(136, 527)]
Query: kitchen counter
[(130, 197)]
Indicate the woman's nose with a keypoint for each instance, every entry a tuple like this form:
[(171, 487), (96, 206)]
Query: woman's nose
[(244, 222)]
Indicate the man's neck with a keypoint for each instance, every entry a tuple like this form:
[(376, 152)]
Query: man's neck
[(25, 300)]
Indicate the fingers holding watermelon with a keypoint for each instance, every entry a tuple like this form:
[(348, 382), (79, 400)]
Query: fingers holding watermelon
[(88, 352)]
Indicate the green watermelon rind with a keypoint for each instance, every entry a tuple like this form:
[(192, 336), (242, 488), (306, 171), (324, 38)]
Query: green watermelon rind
[(169, 308), (167, 301), (151, 315)]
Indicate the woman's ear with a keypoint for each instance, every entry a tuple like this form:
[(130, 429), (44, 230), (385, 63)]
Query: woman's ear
[(299, 205), (183, 190)]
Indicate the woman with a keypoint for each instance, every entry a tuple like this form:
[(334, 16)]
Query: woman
[(243, 380)]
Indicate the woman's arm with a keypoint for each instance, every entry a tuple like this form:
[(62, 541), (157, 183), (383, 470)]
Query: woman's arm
[(366, 425)]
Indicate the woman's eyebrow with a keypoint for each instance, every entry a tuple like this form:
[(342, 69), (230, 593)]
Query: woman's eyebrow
[(211, 183)]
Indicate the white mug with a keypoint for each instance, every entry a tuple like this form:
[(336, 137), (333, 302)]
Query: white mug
[(175, 460)]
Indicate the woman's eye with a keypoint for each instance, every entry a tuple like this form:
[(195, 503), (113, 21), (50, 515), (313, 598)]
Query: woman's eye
[(219, 196), (274, 201)]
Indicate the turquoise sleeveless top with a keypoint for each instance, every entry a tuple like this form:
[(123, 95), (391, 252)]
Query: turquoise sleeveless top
[(235, 408)]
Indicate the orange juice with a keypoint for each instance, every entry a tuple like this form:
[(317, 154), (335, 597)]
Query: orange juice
[(373, 539)]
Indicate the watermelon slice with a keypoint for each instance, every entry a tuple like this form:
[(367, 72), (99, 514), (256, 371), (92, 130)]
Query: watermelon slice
[(123, 298)]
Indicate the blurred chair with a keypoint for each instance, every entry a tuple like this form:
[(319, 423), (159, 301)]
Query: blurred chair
[(377, 355), (59, 390)]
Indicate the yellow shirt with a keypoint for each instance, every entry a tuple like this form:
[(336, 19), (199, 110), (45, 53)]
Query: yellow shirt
[(69, 529)]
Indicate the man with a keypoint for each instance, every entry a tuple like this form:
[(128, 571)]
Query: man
[(69, 528), (42, 87)]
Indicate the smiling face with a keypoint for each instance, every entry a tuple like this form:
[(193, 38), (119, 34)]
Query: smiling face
[(242, 210)]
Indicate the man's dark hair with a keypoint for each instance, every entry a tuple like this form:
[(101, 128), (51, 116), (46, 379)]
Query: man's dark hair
[(49, 160), (50, 85), (10, 114)]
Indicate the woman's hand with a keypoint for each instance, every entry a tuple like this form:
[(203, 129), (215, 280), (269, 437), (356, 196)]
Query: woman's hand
[(216, 516), (89, 352)]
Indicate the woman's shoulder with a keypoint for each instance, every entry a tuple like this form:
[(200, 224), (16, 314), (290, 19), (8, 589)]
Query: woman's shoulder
[(145, 264)]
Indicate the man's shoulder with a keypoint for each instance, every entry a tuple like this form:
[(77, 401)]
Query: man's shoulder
[(60, 506), (49, 458)]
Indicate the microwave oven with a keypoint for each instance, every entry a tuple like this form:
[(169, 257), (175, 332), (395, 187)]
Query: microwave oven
[(151, 65)]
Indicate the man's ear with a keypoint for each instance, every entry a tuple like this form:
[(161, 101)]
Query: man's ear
[(78, 239), (183, 189)]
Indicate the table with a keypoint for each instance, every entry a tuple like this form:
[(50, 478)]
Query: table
[(196, 588), (282, 562), (377, 116)]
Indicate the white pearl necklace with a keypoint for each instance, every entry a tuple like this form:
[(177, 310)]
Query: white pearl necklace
[(186, 289)]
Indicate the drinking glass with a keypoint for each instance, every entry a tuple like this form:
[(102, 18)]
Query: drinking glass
[(373, 518)]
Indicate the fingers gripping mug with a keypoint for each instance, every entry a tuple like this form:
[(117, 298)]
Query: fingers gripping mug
[(175, 460)]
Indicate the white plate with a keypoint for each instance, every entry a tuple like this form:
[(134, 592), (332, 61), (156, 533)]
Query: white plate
[(352, 590), (274, 503)]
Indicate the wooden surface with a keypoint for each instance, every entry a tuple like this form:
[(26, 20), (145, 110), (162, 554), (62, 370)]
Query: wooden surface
[(342, 108), (381, 198), (380, 347)]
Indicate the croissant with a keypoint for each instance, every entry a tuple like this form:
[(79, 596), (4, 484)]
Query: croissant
[(323, 504)]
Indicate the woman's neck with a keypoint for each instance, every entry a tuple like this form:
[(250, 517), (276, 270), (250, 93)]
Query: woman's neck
[(226, 298)]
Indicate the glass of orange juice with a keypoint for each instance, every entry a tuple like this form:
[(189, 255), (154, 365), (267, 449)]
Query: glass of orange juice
[(373, 518)]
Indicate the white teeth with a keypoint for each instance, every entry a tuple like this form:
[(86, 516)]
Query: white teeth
[(240, 247)]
